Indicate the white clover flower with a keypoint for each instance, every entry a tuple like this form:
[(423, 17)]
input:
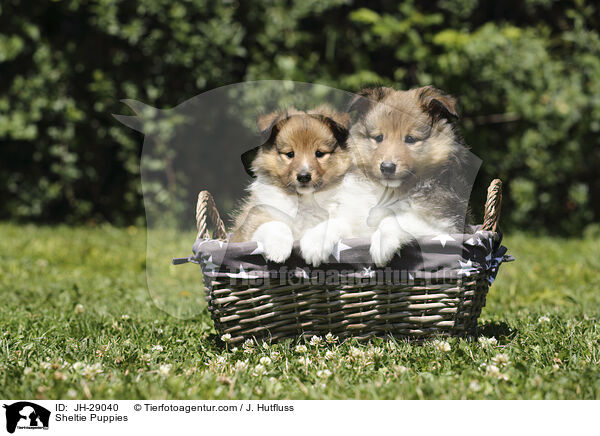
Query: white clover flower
[(160, 331), (442, 346), (501, 360), (301, 349), (241, 365), (188, 372), (316, 340), (275, 356), (146, 357), (304, 361), (400, 369), (47, 365), (544, 319), (330, 339), (125, 317), (355, 352), (329, 355), (220, 360), (375, 352), (226, 337), (79, 308), (90, 371), (474, 386), (259, 370), (324, 373), (555, 366), (27, 371), (248, 344), (266, 361), (487, 342), (234, 350), (503, 376), (164, 370), (77, 366), (158, 348), (59, 375), (492, 370)]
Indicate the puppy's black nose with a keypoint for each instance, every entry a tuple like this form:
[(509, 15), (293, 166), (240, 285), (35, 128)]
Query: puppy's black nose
[(387, 168), (303, 177)]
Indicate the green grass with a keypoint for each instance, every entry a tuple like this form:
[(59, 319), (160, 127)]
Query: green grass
[(77, 321)]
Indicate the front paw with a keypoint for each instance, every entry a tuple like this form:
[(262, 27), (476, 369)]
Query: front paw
[(382, 248), (277, 240), (377, 215), (314, 246), (386, 241)]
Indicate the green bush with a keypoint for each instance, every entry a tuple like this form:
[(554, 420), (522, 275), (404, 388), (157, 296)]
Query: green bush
[(527, 75)]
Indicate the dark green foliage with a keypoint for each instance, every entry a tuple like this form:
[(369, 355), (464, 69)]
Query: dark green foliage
[(527, 75)]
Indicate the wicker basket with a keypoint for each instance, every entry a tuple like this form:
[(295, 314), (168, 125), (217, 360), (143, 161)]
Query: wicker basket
[(419, 306)]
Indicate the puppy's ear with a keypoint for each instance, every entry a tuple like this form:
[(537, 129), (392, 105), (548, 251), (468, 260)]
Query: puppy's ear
[(342, 118), (247, 160), (340, 131), (365, 99), (266, 121), (437, 103), (269, 125)]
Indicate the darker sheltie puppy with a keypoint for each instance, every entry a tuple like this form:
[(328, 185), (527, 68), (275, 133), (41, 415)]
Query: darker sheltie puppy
[(412, 176), (297, 172)]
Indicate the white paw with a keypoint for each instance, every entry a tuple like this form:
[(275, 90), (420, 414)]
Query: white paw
[(386, 241), (378, 214), (317, 244), (277, 240), (382, 250)]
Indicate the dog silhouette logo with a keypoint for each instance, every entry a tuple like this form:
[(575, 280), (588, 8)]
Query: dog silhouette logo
[(26, 415)]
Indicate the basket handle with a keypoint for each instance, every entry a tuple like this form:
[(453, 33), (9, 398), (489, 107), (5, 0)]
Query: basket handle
[(492, 206), (206, 209)]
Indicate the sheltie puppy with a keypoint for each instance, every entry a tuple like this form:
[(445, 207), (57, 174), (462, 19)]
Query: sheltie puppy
[(410, 175), (297, 171)]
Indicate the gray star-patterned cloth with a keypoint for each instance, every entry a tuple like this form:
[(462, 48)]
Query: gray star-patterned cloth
[(434, 258)]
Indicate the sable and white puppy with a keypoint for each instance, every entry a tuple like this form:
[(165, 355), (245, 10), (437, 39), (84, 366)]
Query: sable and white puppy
[(415, 164), (297, 171), (410, 172)]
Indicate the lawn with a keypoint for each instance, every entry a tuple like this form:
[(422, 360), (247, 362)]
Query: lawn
[(78, 321)]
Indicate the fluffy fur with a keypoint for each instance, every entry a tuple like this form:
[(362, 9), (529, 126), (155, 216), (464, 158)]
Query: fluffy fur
[(409, 176), (298, 170)]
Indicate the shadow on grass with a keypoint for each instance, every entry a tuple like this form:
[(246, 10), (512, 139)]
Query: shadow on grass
[(498, 330)]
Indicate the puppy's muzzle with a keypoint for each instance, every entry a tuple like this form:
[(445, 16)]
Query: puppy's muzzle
[(303, 177), (387, 168)]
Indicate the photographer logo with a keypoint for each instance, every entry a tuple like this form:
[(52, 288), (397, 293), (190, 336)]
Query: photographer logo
[(24, 415)]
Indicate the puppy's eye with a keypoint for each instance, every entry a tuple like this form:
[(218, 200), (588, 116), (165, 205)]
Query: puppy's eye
[(378, 138), (290, 154), (409, 139), (319, 154)]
